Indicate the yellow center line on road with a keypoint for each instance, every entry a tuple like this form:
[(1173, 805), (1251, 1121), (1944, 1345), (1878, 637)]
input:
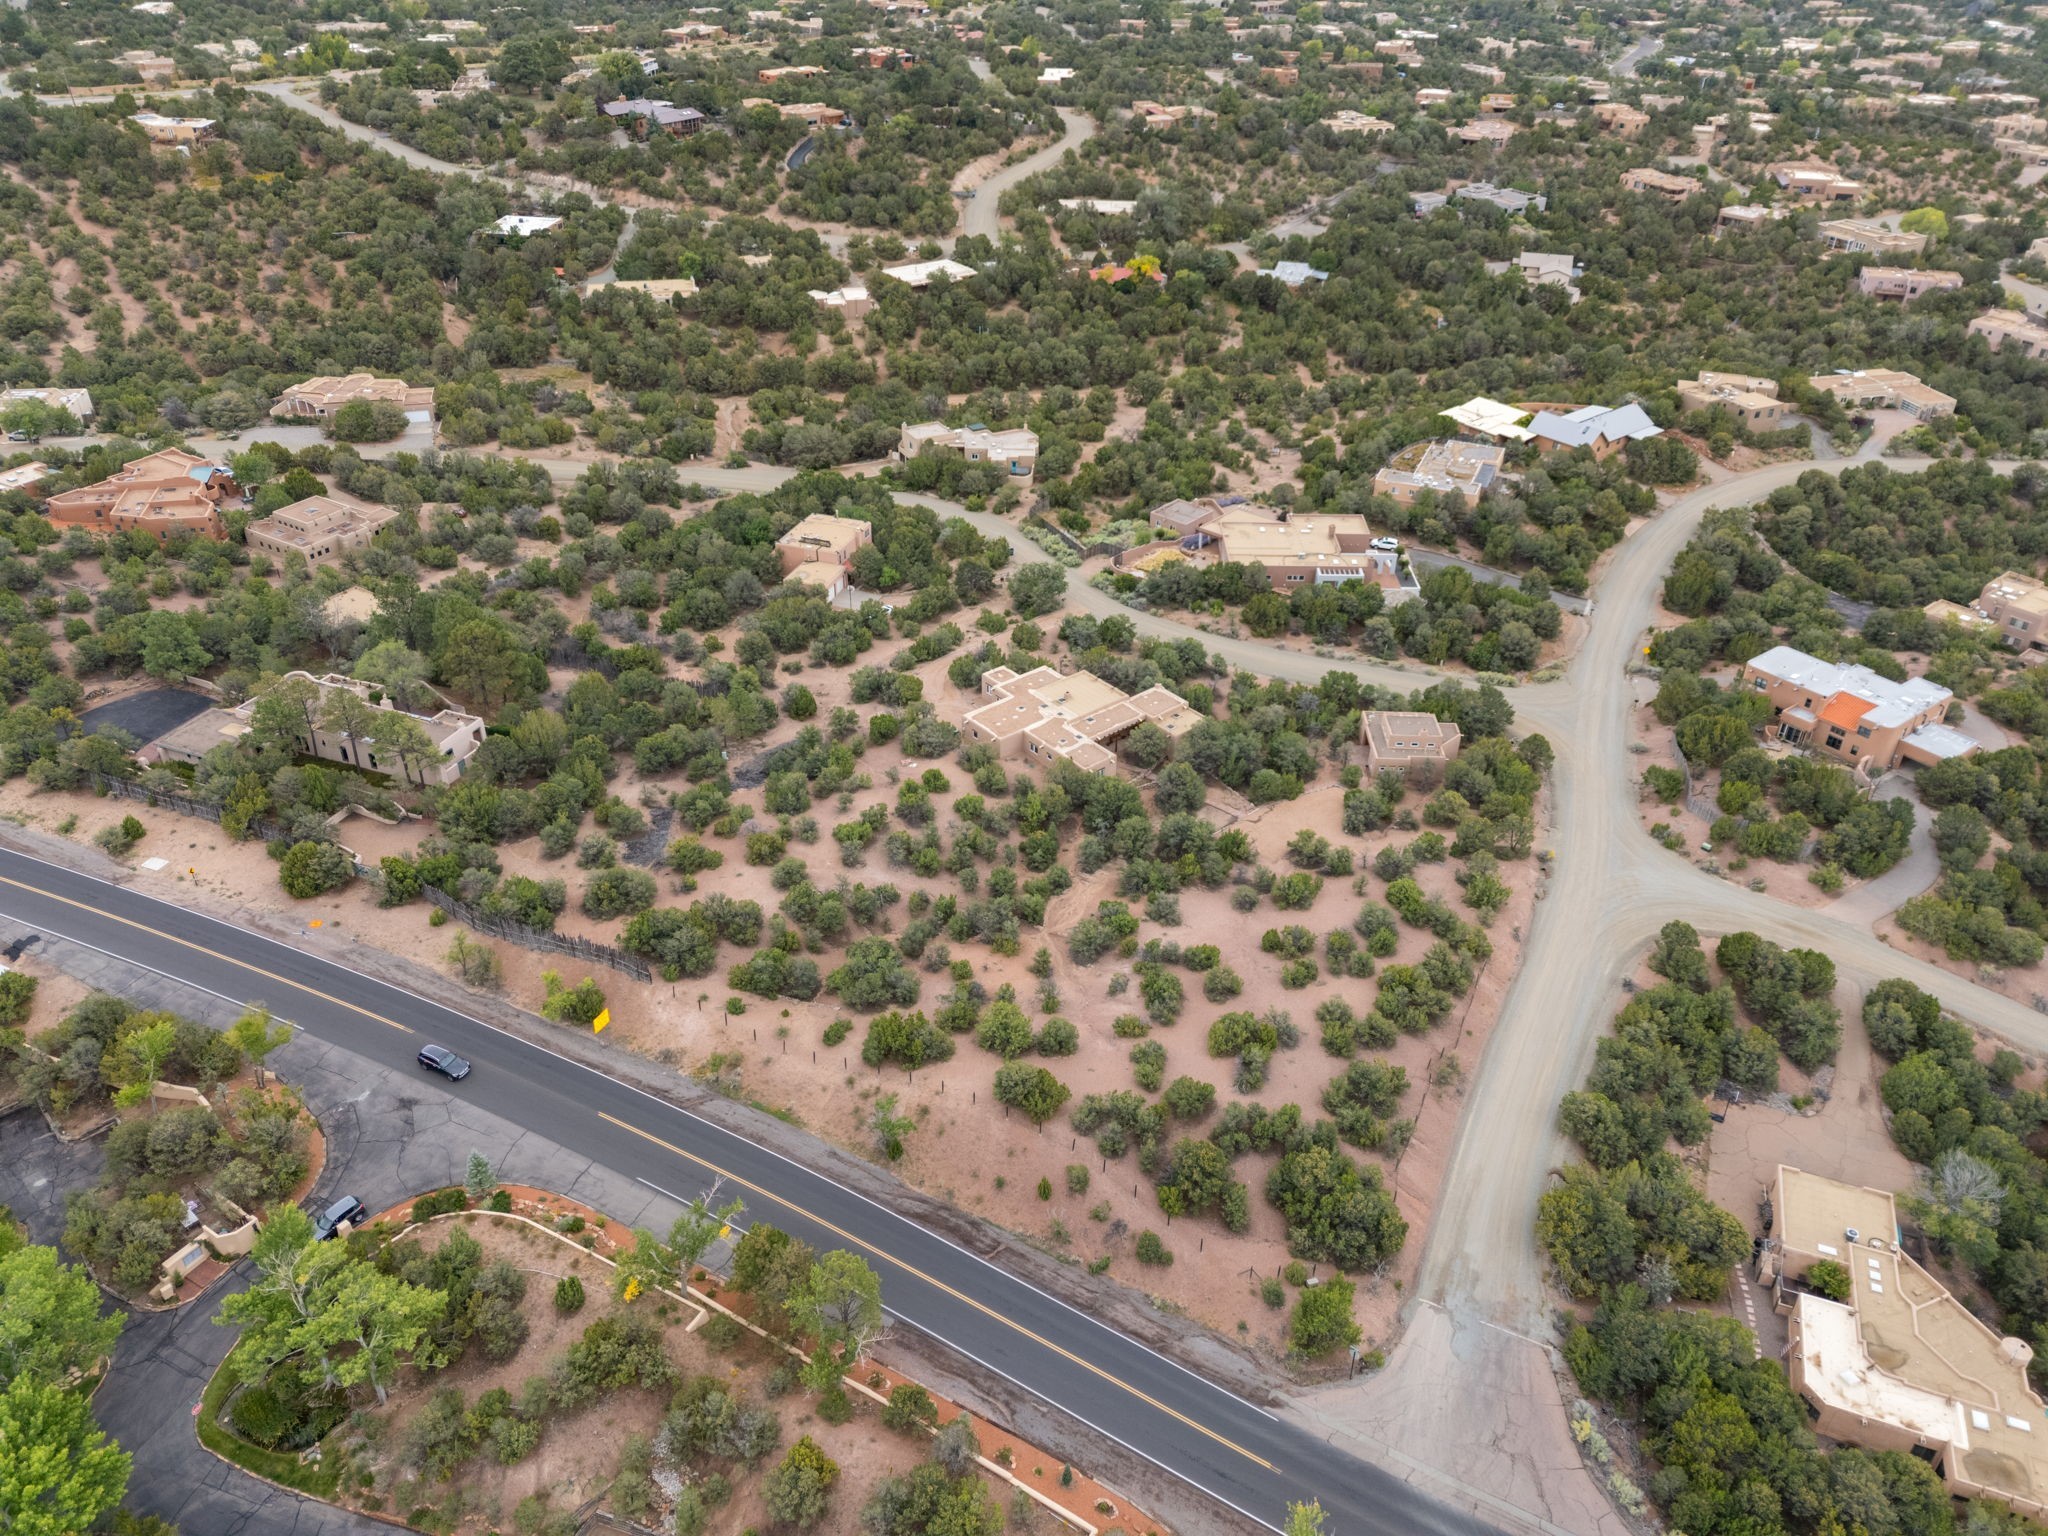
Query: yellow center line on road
[(213, 954), (838, 1231), (912, 1269)]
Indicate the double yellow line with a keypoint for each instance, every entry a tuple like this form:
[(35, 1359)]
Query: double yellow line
[(212, 954), (911, 1269), (833, 1228)]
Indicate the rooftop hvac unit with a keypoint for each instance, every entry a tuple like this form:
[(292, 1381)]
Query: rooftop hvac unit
[(1852, 1234)]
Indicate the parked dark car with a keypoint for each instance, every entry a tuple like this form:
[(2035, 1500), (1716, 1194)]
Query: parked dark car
[(438, 1058), (347, 1209)]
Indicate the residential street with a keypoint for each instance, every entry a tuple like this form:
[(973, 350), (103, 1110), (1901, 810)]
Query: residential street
[(1468, 1412), (390, 1133), (979, 215), (1245, 1458), (1611, 889)]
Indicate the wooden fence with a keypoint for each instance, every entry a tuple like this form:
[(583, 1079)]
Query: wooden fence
[(537, 938)]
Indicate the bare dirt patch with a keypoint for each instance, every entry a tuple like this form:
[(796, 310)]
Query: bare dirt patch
[(975, 1156)]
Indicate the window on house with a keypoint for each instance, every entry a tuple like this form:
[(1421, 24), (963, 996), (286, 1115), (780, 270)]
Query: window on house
[(1863, 731)]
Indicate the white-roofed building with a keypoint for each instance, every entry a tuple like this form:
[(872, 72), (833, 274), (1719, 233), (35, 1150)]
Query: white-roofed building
[(852, 301), (919, 274), (1448, 466), (1294, 273), (1488, 418), (77, 401), (178, 132), (1853, 714), (520, 225)]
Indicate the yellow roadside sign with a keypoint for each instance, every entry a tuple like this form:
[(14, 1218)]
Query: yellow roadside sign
[(598, 1023)]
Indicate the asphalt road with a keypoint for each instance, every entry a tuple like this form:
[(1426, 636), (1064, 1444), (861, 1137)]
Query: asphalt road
[(2032, 295), (1641, 49), (1237, 1453), (979, 215)]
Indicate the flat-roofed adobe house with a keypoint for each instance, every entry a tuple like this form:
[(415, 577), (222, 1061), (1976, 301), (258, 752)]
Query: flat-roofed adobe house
[(1447, 466), (1867, 237), (1620, 119), (26, 478), (1408, 742), (1905, 283), (1077, 717), (456, 735), (166, 492), (321, 528), (2018, 605), (319, 398), (819, 552), (2003, 328), (1750, 399), (1885, 389), (1674, 189), (1852, 714), (1900, 1364), (1324, 549), (1015, 451), (1814, 181)]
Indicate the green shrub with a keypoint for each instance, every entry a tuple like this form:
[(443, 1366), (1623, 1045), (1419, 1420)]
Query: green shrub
[(1032, 1089), (578, 1005), (17, 995), (798, 1489), (1221, 984), (910, 1407), (1148, 1064), (118, 837), (1827, 1278), (721, 1332), (311, 869), (1057, 1037), (262, 1416), (568, 1294), (1322, 1318), (614, 1353), (1152, 1251), (440, 1203)]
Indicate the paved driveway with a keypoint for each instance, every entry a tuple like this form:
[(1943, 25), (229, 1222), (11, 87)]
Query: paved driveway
[(390, 1132), (146, 716)]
